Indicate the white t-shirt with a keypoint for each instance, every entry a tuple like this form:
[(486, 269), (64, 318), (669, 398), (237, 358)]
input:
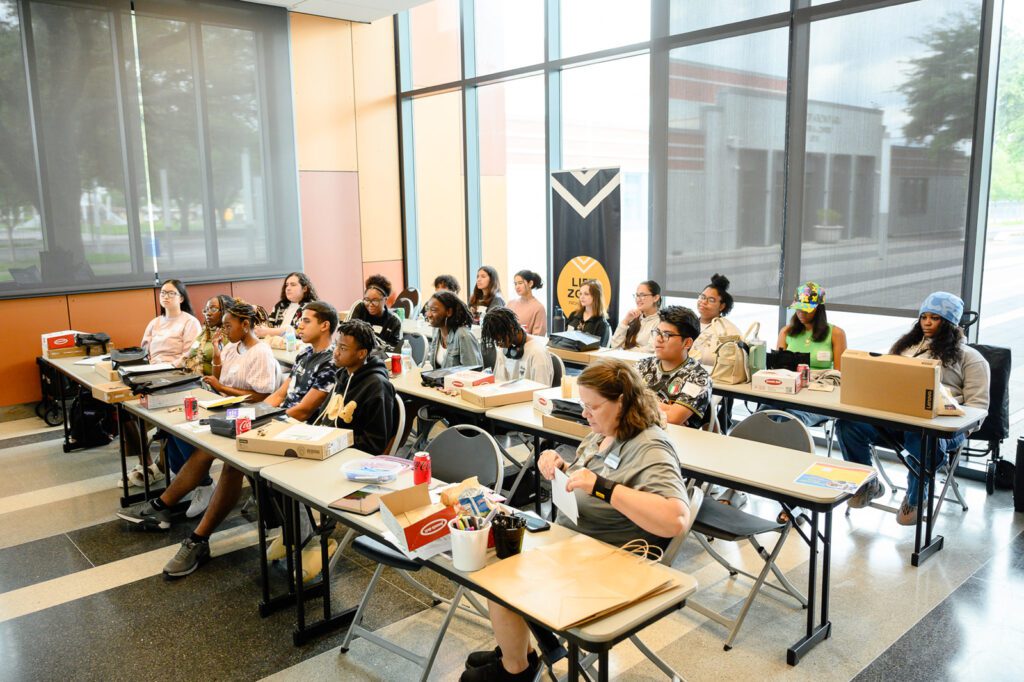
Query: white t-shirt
[(250, 369), (169, 339), (289, 314), (535, 364)]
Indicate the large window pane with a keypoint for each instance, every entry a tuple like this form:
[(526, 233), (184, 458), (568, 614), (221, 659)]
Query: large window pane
[(606, 110), (435, 52), (687, 15), (509, 33), (440, 198), (512, 177), (591, 25), (726, 163), (889, 130)]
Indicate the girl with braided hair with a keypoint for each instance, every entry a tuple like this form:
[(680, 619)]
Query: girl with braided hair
[(453, 343), (244, 366), (522, 356)]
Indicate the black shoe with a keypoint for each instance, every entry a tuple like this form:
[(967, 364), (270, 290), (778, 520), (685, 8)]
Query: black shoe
[(482, 658), (494, 671)]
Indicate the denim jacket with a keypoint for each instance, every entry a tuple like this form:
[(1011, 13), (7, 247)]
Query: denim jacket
[(463, 349)]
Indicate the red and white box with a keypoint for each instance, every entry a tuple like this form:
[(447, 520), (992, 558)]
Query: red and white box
[(454, 383), (413, 519), (776, 381), (61, 344), (544, 399)]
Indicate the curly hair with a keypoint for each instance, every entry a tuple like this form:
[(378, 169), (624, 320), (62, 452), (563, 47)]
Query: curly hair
[(683, 319), (614, 379), (819, 326), (308, 292), (531, 278), (460, 317), (484, 297), (945, 345), (720, 283), (448, 282), (501, 326), (360, 331), (633, 330), (380, 283), (243, 310)]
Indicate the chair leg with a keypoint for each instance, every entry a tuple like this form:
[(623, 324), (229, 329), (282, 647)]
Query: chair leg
[(440, 634), (357, 620), (881, 471), (655, 659), (762, 576), (779, 575)]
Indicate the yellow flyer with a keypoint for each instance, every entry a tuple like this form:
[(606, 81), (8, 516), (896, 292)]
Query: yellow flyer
[(834, 476)]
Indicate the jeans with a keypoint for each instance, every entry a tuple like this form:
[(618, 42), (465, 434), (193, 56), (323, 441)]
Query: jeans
[(808, 418), (178, 452), (856, 438)]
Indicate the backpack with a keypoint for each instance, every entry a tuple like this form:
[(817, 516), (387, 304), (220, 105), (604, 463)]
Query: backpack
[(89, 422), (730, 358), (574, 341)]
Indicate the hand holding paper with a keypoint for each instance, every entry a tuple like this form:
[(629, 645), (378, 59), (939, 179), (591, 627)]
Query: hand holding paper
[(565, 501)]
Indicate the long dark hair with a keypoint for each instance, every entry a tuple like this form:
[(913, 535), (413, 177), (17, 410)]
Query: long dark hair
[(484, 298), (532, 278), (308, 292), (819, 326), (460, 317), (634, 326), (597, 294), (186, 304), (945, 344)]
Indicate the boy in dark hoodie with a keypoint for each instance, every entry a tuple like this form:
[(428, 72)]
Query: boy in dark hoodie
[(367, 402)]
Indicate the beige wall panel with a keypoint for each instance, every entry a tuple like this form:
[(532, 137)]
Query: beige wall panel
[(494, 227), (325, 125), (373, 49)]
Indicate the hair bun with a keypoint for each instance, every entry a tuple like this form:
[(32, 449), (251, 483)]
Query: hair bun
[(720, 282)]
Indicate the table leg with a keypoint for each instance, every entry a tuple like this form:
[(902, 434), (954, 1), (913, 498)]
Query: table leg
[(63, 412), (536, 474), (300, 601), (574, 662), (122, 415), (261, 533), (815, 634), (929, 452), (602, 662)]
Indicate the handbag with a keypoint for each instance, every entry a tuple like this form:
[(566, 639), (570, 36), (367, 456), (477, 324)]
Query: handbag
[(90, 341), (757, 348), (787, 359), (730, 358), (579, 342), (172, 381), (133, 355)]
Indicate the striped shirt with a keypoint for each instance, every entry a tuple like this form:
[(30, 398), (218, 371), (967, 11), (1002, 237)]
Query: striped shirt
[(250, 369)]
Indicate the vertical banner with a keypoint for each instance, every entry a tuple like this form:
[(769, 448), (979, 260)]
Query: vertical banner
[(586, 207)]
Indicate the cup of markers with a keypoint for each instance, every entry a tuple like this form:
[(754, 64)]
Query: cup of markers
[(469, 542)]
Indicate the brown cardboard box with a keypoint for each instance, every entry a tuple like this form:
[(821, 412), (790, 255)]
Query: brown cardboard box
[(112, 392), (565, 426), (56, 344), (291, 439), (158, 401), (496, 395), (70, 352), (413, 520), (106, 370), (583, 358), (890, 382)]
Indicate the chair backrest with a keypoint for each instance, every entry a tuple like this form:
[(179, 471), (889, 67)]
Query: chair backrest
[(412, 294), (419, 346), (557, 369), (696, 499), (775, 427), (406, 305), (463, 450), (399, 438), (996, 426), (713, 425)]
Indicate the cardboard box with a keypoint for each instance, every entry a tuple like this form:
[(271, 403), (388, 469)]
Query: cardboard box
[(776, 381), (413, 519), (543, 399), (565, 426), (454, 383), (112, 392), (106, 370), (158, 401), (290, 439), (496, 395), (581, 358), (891, 382), (60, 341)]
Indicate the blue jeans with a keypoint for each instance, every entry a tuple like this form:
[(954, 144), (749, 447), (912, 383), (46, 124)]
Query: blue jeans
[(178, 452), (856, 439), (808, 418)]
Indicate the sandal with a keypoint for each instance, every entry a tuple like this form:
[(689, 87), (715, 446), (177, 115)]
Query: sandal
[(312, 559)]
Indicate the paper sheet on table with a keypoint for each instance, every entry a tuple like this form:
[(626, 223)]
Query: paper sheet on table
[(93, 360), (146, 369), (566, 502), (196, 427), (304, 432), (221, 402)]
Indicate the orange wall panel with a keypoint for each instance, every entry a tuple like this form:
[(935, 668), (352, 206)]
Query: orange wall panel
[(264, 292), (122, 314), (394, 270), (28, 317)]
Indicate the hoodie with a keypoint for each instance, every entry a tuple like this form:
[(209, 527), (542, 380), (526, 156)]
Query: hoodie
[(376, 415)]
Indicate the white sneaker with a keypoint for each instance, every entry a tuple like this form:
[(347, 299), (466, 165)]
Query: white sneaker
[(200, 500)]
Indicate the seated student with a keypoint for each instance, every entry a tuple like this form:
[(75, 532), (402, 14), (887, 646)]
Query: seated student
[(627, 483), (304, 391), (591, 317), (681, 384), (715, 302), (200, 354), (362, 380), (523, 356), (244, 367), (486, 294), (937, 336), (373, 309), (168, 339), (296, 291), (528, 309), (634, 332), (453, 344), (447, 283)]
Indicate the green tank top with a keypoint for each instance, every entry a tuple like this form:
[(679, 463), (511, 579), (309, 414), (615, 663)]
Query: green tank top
[(820, 351)]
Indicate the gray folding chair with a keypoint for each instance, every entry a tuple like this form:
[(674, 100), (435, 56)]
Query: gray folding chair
[(398, 439), (946, 469), (558, 369), (460, 452), (729, 524), (419, 346)]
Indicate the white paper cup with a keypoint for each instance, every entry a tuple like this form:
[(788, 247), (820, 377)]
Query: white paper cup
[(469, 547)]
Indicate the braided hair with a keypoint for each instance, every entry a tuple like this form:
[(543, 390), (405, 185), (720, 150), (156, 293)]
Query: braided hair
[(615, 379), (501, 325), (361, 332), (242, 310), (225, 302), (634, 326), (460, 316)]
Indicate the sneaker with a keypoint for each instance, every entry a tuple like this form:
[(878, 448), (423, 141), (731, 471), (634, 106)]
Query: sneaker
[(871, 491), (145, 515), (191, 555), (200, 500), (494, 671), (907, 515), (478, 659)]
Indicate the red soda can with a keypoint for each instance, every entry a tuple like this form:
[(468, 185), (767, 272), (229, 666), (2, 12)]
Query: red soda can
[(805, 374), (396, 365), (191, 409), (421, 468), (242, 424)]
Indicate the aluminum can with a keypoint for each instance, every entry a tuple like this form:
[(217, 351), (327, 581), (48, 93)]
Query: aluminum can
[(191, 409), (396, 365), (421, 468), (805, 374)]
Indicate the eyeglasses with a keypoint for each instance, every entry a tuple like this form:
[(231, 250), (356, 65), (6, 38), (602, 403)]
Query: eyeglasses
[(640, 297), (664, 336), (168, 294), (593, 408), (208, 309), (373, 301), (709, 299)]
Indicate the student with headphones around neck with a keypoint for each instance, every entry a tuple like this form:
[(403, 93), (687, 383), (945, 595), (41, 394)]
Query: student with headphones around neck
[(523, 356)]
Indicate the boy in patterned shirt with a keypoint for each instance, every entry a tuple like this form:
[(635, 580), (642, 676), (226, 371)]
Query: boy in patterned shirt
[(682, 385), (313, 374)]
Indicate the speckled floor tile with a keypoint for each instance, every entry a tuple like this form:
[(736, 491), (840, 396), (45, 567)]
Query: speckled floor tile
[(34, 562)]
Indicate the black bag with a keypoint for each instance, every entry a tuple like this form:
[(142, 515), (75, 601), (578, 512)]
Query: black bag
[(524, 493), (568, 409), (134, 355), (435, 377), (90, 422), (786, 359), (98, 340), (579, 342), (996, 426), (171, 381)]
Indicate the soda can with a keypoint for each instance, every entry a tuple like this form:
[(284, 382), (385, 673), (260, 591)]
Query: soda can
[(396, 365), (421, 468), (805, 373), (242, 424), (191, 409)]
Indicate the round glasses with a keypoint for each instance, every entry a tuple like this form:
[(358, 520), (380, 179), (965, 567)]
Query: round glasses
[(710, 299)]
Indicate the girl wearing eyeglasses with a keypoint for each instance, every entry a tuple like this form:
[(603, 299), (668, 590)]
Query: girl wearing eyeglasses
[(373, 310), (715, 302), (634, 332), (681, 383), (169, 336), (592, 316), (211, 339)]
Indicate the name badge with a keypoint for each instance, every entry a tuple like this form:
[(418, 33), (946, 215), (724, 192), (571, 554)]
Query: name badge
[(377, 329), (824, 356), (691, 389), (612, 461)]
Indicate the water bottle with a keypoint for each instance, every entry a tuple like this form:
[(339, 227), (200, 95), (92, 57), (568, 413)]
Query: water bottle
[(557, 321), (406, 356), (289, 340)]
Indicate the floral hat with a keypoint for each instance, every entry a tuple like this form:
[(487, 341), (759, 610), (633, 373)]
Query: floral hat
[(808, 296)]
